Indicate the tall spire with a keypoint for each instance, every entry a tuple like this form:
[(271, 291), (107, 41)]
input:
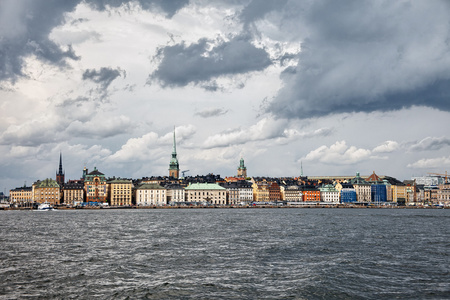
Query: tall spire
[(60, 164), (60, 173), (174, 151), (174, 167)]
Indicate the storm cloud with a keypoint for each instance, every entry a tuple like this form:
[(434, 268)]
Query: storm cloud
[(364, 56), (205, 60), (24, 29), (104, 76)]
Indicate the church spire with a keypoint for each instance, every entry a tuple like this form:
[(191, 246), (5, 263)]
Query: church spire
[(174, 167), (60, 173)]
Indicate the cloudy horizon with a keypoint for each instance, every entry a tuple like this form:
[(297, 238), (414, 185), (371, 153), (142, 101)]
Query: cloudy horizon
[(337, 87)]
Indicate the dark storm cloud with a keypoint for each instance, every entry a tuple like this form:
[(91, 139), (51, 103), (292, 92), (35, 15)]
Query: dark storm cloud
[(364, 56), (24, 29), (104, 76), (257, 9), (25, 26), (182, 64)]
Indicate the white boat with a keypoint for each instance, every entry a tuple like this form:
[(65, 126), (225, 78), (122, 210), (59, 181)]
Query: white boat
[(45, 206)]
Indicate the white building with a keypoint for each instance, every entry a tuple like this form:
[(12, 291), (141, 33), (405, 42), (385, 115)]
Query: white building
[(211, 193), (149, 194), (329, 194)]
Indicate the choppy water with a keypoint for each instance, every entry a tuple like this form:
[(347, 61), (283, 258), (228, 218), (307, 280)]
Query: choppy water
[(225, 253)]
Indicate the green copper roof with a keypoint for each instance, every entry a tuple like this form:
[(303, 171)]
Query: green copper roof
[(47, 183), (204, 186)]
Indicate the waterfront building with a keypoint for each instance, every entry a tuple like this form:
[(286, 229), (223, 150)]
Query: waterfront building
[(310, 193), (73, 192), (150, 194), (443, 194), (22, 196), (119, 192), (210, 193), (95, 187), (260, 191), (329, 194), (291, 193), (239, 192), (174, 167), (46, 191), (175, 193), (362, 188), (378, 193), (348, 195), (60, 173), (274, 191), (242, 170)]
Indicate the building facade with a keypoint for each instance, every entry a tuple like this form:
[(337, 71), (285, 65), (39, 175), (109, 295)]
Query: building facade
[(260, 191), (95, 187), (151, 194), (362, 188), (210, 193), (73, 192), (120, 192), (46, 191), (22, 196), (175, 193), (291, 193), (329, 194)]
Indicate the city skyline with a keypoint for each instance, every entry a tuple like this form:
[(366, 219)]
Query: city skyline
[(333, 88)]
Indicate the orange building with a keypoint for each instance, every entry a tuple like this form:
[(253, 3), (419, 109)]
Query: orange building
[(310, 194), (274, 192)]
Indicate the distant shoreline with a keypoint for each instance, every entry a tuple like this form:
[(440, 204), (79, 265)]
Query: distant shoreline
[(235, 207)]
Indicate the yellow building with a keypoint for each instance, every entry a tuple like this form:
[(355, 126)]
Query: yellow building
[(119, 192), (261, 191), (22, 196), (46, 191), (399, 193)]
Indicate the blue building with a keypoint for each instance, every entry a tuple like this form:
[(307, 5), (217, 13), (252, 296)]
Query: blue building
[(348, 195), (379, 193)]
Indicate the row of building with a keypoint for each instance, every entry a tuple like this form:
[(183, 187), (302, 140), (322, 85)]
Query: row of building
[(93, 188)]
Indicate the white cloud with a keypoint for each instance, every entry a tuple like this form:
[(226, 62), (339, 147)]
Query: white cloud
[(338, 154), (267, 128), (386, 147), (430, 163), (148, 147)]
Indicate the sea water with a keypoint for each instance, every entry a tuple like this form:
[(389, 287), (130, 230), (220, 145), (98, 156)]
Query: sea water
[(255, 253)]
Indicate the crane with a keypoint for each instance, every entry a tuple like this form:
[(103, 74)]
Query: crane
[(445, 175), (183, 172)]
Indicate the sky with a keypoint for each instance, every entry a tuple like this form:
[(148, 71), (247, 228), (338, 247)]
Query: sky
[(330, 87)]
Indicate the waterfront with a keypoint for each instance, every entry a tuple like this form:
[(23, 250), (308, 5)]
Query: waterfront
[(225, 253)]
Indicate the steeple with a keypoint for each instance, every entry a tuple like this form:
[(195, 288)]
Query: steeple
[(60, 173), (242, 170), (174, 167)]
